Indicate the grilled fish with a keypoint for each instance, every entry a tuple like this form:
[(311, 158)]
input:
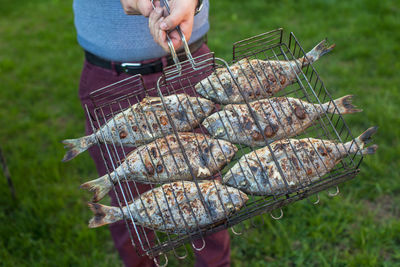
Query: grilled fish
[(278, 117), (175, 207), (145, 122), (162, 161), (302, 162), (256, 78)]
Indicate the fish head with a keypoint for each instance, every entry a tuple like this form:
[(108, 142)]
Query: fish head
[(242, 180), (206, 88), (217, 124), (201, 106), (236, 199), (218, 86), (223, 151)]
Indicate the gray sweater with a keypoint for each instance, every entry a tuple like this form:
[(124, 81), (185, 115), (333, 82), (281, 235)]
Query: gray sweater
[(106, 31)]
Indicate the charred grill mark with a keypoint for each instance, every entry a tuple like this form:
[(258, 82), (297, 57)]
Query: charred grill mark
[(149, 169), (123, 134), (203, 159), (264, 180), (282, 79), (309, 171), (271, 171), (295, 162), (164, 120), (322, 151), (289, 120), (303, 143), (257, 136), (228, 88), (271, 130), (280, 146), (134, 128), (271, 78), (181, 115), (300, 113), (155, 126), (154, 152), (247, 124), (179, 195), (212, 208)]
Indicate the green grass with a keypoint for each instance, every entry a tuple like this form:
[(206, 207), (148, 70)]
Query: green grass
[(40, 63)]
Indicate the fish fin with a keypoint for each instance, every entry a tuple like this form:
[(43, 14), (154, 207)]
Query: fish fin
[(100, 186), (203, 172), (318, 51), (343, 104), (77, 146), (103, 215), (369, 150)]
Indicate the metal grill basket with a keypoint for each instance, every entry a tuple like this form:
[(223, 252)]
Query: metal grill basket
[(181, 78)]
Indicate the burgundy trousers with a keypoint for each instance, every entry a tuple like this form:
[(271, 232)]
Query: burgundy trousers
[(217, 249)]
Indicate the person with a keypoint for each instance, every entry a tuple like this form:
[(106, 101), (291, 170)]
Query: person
[(110, 34)]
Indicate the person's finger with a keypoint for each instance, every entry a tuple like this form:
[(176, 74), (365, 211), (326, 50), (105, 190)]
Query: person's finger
[(186, 27), (176, 39), (173, 19), (163, 40), (145, 7), (154, 22)]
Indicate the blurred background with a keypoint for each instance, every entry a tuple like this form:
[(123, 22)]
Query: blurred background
[(40, 64)]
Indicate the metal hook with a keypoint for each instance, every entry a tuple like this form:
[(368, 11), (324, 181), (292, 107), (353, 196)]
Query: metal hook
[(200, 249), (185, 43), (234, 232), (334, 194), (165, 264), (181, 257), (277, 218), (316, 202)]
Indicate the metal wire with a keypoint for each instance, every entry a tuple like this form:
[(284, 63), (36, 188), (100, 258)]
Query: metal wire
[(268, 50)]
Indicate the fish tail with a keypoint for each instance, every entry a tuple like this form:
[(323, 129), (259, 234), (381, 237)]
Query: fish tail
[(318, 51), (100, 186), (361, 141), (103, 215), (369, 150), (343, 104), (77, 146), (365, 137)]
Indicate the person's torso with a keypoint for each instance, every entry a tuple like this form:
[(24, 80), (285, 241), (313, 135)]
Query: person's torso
[(106, 31)]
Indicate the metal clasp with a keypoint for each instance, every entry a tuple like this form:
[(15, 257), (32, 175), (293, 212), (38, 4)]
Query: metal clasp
[(126, 66)]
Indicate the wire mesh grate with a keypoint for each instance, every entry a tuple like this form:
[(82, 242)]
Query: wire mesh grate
[(159, 115)]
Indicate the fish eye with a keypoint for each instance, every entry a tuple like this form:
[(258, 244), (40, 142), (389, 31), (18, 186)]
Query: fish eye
[(229, 206), (219, 131), (221, 158)]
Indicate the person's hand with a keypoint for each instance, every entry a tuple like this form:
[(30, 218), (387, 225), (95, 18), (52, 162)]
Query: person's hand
[(182, 14), (137, 7)]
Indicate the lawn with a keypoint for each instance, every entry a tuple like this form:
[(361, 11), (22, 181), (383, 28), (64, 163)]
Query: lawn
[(40, 64)]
